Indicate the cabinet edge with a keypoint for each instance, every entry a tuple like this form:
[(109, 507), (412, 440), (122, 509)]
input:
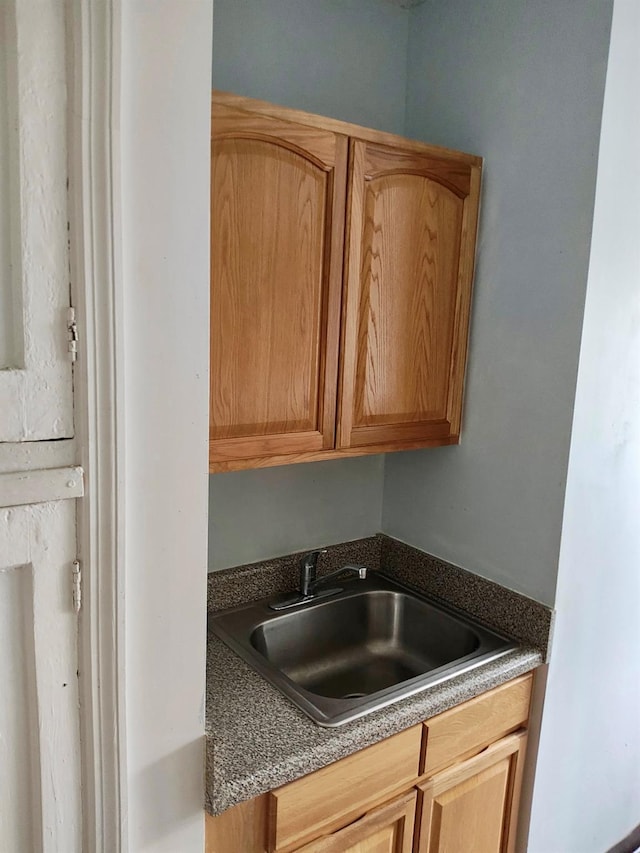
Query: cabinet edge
[(323, 455), (341, 127)]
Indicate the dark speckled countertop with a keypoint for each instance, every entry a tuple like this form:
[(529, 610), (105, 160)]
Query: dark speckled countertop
[(257, 739)]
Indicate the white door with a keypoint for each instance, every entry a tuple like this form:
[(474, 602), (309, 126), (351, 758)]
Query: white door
[(40, 809), (40, 791), (36, 400)]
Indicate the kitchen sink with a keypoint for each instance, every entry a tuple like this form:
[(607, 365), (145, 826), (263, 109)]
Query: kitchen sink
[(371, 643)]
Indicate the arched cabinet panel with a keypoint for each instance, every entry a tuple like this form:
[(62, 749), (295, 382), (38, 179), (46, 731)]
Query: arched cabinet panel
[(341, 269), (407, 297), (276, 253)]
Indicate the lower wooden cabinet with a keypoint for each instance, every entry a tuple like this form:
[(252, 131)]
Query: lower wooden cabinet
[(450, 785), (336, 795), (473, 806)]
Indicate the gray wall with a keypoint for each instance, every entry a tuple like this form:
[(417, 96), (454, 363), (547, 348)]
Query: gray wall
[(587, 787), (520, 83), (341, 58), (259, 514), (345, 59)]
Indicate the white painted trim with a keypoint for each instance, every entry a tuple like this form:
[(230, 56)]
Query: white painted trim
[(41, 486), (165, 129), (94, 200)]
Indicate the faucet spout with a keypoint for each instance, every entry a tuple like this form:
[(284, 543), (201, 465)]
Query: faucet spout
[(361, 571)]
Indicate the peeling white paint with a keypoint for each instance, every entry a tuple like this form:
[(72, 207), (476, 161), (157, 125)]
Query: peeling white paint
[(31, 455)]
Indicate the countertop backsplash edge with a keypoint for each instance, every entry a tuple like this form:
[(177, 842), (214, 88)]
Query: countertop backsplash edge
[(504, 610)]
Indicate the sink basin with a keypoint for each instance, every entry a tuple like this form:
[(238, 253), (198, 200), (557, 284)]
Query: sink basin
[(371, 644)]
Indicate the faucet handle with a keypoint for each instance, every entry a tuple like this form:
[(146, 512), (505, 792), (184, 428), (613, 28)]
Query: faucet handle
[(310, 560), (308, 569)]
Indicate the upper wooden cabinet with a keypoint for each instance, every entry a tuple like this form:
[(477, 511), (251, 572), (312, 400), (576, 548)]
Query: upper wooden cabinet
[(277, 226), (323, 346), (411, 229)]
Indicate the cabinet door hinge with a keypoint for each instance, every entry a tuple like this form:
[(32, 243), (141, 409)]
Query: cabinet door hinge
[(76, 585), (72, 334)]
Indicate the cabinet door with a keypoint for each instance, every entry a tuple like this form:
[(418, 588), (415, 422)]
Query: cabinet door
[(388, 829), (473, 805), (277, 232), (411, 239)]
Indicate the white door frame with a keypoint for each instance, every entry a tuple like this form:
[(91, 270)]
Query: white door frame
[(94, 205), (139, 99)]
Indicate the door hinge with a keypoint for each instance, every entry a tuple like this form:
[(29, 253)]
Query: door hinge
[(72, 334), (76, 585)]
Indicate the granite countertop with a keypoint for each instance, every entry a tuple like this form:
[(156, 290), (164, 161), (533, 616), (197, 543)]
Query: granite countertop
[(257, 739)]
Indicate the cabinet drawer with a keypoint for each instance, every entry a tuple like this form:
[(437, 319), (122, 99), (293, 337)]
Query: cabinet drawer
[(458, 733), (335, 795)]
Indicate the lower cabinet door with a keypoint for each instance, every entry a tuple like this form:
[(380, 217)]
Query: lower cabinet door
[(387, 829), (473, 806)]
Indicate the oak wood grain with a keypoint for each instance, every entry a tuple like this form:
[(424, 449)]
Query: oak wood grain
[(315, 144), (387, 829), (277, 203), (241, 829), (344, 128), (329, 798), (218, 466), (468, 728), (462, 309), (304, 366), (474, 804), (408, 292)]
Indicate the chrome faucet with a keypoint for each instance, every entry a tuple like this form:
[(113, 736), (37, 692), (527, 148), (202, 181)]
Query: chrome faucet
[(312, 587)]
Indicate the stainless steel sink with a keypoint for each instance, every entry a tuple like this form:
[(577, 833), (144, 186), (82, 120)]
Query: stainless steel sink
[(367, 646)]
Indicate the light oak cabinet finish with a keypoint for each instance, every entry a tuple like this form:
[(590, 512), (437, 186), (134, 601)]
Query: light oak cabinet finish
[(411, 235), (466, 729), (341, 270), (387, 829), (277, 224), (474, 804), (333, 796), (366, 802)]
